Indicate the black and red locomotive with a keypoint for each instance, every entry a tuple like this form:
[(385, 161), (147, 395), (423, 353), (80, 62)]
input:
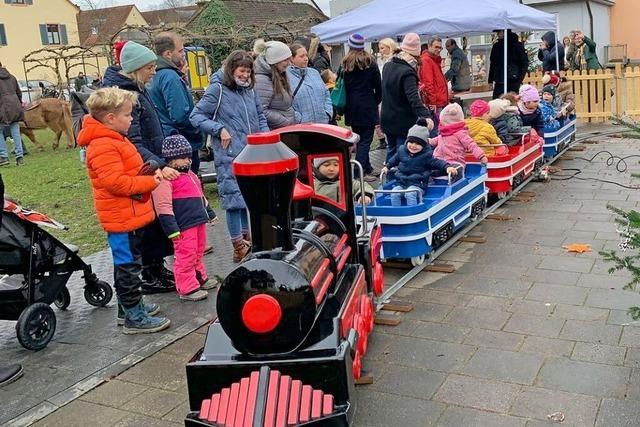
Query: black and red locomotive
[(294, 317)]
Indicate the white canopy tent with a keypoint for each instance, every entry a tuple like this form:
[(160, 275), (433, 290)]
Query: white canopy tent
[(392, 18)]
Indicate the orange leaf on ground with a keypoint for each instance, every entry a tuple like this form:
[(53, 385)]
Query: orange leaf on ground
[(577, 247)]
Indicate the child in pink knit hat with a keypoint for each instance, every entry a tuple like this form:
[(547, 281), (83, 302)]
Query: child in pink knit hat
[(529, 107), (480, 129), (453, 142)]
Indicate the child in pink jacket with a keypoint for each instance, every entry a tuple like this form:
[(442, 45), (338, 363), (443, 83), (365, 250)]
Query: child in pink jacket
[(453, 141), (183, 212)]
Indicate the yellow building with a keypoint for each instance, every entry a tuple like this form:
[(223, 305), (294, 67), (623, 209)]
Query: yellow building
[(28, 25)]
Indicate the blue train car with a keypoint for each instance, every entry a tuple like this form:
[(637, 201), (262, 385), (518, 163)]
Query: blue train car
[(412, 232), (556, 141)]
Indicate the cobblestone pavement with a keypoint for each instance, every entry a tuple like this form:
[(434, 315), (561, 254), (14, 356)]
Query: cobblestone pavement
[(521, 330)]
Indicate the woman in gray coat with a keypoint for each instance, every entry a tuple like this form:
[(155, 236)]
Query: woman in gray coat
[(229, 111), (272, 83)]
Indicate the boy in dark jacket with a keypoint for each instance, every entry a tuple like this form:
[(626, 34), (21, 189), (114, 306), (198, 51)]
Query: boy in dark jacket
[(529, 106), (415, 163)]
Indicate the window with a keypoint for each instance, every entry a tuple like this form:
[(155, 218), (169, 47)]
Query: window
[(53, 34), (3, 36), (201, 65), (21, 2)]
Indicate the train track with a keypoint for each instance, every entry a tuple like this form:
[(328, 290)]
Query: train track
[(389, 292)]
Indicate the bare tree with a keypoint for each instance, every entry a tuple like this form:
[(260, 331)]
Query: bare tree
[(94, 4), (171, 4)]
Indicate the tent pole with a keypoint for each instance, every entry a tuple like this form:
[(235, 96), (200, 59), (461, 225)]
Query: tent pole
[(505, 39), (558, 40)]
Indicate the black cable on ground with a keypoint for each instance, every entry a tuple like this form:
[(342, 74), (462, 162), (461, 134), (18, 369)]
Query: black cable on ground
[(620, 163)]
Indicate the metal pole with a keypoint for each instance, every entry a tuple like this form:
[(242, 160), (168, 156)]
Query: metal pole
[(505, 39), (557, 40)]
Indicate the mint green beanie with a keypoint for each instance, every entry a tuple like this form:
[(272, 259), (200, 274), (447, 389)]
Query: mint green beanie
[(135, 56)]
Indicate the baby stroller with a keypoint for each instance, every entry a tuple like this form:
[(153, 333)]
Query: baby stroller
[(34, 270)]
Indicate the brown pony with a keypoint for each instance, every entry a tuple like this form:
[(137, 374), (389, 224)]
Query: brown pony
[(51, 113)]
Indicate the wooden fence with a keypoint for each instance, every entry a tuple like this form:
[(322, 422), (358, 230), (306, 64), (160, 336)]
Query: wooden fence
[(603, 93)]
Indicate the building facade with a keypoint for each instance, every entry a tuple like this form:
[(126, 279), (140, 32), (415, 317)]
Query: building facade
[(624, 27)]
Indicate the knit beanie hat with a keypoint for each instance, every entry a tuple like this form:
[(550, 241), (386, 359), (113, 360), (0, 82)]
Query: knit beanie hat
[(356, 42), (419, 135), (450, 114), (411, 44), (423, 122), (273, 51), (478, 108), (549, 89), (498, 107), (318, 161), (176, 147), (529, 93), (552, 79), (135, 56)]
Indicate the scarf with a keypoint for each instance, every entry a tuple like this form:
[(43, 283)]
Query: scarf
[(408, 59), (450, 129), (525, 110), (580, 57)]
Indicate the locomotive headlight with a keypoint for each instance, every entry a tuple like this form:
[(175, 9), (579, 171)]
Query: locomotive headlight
[(261, 313)]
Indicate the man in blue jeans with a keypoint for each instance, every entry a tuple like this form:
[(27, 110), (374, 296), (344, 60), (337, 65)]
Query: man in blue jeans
[(11, 114)]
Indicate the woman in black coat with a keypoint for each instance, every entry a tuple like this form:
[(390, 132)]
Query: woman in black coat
[(138, 66), (364, 93), (517, 64)]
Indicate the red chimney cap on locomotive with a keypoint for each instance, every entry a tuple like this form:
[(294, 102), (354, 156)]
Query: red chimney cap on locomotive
[(261, 313), (265, 154)]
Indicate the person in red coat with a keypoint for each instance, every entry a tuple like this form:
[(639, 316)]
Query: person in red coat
[(433, 84)]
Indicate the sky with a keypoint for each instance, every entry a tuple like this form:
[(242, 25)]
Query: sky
[(144, 4)]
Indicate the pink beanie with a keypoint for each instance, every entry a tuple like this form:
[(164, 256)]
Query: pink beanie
[(529, 93), (479, 108), (411, 44), (450, 114)]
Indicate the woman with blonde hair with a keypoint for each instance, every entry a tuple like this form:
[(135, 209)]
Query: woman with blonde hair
[(364, 93), (386, 49)]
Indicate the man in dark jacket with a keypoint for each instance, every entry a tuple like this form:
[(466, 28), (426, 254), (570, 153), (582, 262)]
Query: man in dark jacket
[(11, 114), (170, 93), (517, 64), (80, 81), (459, 73), (322, 60), (549, 48)]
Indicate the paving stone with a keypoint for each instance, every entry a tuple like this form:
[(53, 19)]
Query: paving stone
[(630, 336), (440, 332), (187, 346), (534, 325), (560, 277), (621, 317), (496, 287), (487, 319), (577, 265), (603, 267), (547, 346), (412, 382), (504, 365), (429, 312), (557, 294), (178, 414), (465, 417), (536, 308), (379, 345), (443, 297), (406, 327), (582, 377), (477, 393), (565, 311), (606, 298), (596, 226), (597, 332), (434, 355), (377, 409), (489, 303), (159, 371), (618, 413), (154, 402), (494, 339), (137, 420), (534, 402), (114, 393), (599, 353), (76, 414), (633, 391)]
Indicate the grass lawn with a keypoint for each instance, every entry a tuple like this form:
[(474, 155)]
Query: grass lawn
[(54, 182)]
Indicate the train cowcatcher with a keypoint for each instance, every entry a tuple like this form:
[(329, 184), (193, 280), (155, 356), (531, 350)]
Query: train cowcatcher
[(295, 315)]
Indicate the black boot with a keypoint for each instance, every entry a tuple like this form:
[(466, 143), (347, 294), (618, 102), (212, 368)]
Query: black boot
[(9, 374), (153, 284)]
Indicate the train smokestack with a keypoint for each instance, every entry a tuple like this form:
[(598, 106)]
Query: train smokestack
[(266, 171)]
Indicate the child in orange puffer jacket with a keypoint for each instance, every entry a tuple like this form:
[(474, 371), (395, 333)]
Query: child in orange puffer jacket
[(122, 200)]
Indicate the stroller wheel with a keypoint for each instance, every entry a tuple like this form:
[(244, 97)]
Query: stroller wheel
[(63, 299), (36, 326), (98, 293)]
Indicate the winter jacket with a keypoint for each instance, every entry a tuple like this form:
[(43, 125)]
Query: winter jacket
[(239, 111), (433, 85), (551, 124), (459, 73), (364, 94), (330, 188), (585, 56), (401, 103), (78, 110), (453, 143), (517, 60), (113, 164), (174, 103), (483, 134), (312, 100), (535, 120), (321, 62), (181, 204), (146, 130), (548, 55), (503, 128), (565, 97), (277, 109), (416, 169), (10, 99)]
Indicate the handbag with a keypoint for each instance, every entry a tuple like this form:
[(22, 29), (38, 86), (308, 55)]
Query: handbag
[(339, 94), (206, 152)]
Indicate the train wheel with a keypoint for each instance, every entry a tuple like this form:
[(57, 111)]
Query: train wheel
[(502, 195), (417, 260), (477, 209)]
